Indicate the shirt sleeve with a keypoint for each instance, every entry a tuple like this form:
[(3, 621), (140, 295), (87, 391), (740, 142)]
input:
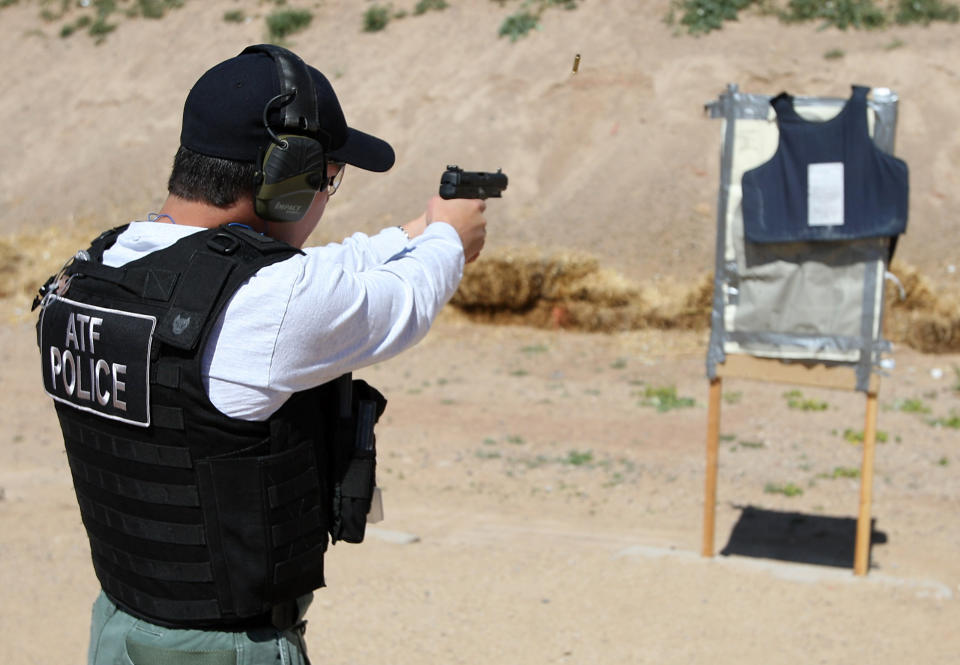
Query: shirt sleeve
[(302, 322)]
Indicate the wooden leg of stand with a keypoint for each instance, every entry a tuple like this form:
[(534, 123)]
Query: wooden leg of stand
[(861, 557), (713, 439)]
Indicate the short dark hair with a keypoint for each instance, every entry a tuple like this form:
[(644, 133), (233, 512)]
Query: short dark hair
[(212, 180)]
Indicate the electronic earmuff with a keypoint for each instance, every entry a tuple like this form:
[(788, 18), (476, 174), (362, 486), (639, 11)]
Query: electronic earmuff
[(293, 166)]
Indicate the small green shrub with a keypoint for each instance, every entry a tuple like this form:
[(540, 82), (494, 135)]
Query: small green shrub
[(787, 490), (840, 14), (732, 397), (578, 458), (234, 16), (69, 28), (845, 472), (487, 454), (952, 422), (284, 22), (100, 29), (834, 54), (911, 406), (702, 16), (925, 12), (424, 6), (795, 400), (665, 399), (855, 436), (376, 18), (151, 8), (518, 25)]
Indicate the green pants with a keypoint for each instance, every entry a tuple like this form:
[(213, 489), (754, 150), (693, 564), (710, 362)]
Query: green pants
[(117, 638)]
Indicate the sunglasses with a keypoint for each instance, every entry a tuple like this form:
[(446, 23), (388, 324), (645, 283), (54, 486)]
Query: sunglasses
[(333, 182)]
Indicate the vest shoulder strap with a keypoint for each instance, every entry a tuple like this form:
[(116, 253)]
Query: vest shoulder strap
[(217, 262)]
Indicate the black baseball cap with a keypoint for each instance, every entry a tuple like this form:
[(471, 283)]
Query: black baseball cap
[(223, 115)]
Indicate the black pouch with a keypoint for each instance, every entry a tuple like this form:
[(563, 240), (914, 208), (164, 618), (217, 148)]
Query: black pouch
[(356, 451)]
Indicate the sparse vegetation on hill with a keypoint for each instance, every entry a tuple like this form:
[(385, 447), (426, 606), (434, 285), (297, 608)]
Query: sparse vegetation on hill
[(527, 17), (702, 16), (99, 17)]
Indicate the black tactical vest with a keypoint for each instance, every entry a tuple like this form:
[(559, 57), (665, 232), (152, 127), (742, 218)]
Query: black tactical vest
[(827, 180), (195, 519)]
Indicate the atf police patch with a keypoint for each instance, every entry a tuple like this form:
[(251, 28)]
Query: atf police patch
[(97, 359)]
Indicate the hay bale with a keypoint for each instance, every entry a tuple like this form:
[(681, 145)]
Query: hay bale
[(601, 287), (934, 332), (918, 293), (510, 279)]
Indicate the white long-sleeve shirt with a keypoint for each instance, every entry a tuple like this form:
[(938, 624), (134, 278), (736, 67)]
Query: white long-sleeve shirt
[(303, 321)]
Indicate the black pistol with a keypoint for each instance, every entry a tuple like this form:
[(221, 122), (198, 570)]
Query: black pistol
[(455, 183)]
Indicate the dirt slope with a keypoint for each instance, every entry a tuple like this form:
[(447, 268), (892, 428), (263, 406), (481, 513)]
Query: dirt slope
[(618, 159)]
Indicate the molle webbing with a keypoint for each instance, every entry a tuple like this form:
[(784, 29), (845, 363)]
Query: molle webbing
[(200, 519)]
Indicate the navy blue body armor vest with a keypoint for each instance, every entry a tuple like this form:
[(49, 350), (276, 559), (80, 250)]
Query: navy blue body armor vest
[(195, 519), (827, 180)]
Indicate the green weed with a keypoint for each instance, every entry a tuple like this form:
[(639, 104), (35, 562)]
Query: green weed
[(284, 22), (235, 16), (952, 421), (842, 472), (795, 400), (943, 461), (99, 29), (487, 454), (732, 397), (752, 444), (703, 16), (518, 25), (789, 489), (925, 12), (69, 28), (424, 6), (911, 406), (534, 349), (834, 54), (578, 458), (856, 436), (665, 399), (841, 14), (153, 8), (376, 18)]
